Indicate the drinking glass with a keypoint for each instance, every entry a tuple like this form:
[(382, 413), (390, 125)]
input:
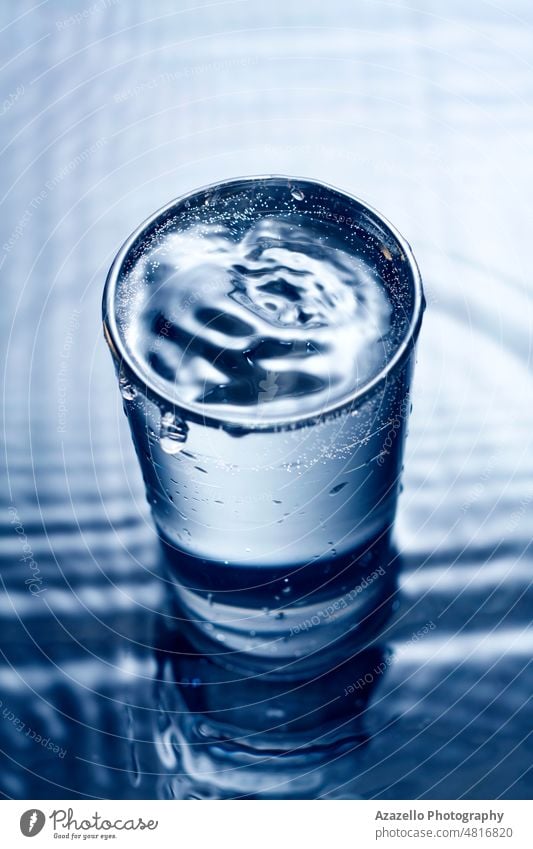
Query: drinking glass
[(276, 527)]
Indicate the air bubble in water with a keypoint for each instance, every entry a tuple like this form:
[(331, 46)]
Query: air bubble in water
[(173, 434), (297, 194)]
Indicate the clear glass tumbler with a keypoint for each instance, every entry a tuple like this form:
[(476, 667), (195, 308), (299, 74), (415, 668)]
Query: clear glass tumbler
[(275, 524)]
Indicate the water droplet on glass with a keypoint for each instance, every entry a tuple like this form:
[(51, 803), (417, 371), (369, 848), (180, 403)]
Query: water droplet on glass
[(337, 488), (127, 391), (173, 434)]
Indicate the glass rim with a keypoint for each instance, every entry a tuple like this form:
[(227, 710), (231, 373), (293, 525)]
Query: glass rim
[(199, 412)]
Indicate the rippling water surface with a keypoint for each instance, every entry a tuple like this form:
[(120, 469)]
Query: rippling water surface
[(214, 308)]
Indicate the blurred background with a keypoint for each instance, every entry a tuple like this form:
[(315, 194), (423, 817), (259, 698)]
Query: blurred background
[(108, 110)]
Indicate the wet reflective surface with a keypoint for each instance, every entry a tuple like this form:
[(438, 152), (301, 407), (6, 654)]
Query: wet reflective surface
[(103, 694)]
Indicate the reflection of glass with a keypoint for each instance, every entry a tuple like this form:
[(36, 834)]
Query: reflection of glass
[(222, 734), (263, 331)]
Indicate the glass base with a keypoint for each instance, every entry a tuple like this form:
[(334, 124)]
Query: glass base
[(291, 637)]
